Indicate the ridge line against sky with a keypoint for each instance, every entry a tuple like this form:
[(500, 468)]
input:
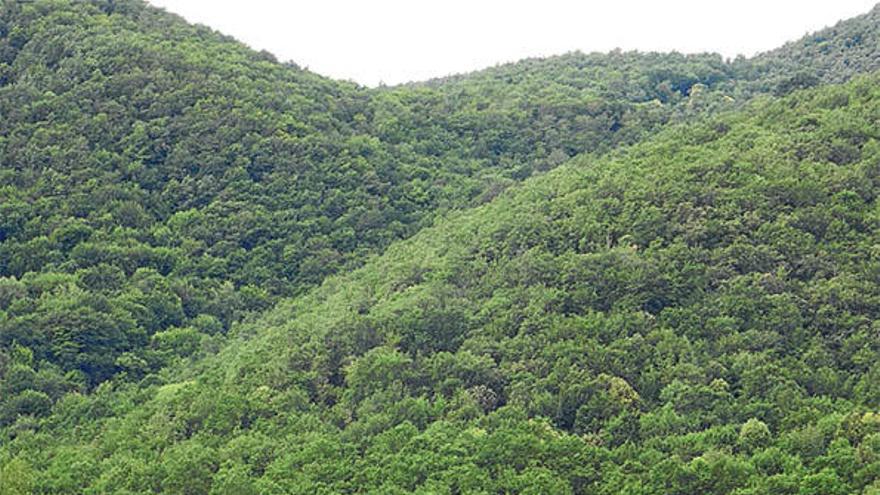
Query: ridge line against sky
[(397, 41)]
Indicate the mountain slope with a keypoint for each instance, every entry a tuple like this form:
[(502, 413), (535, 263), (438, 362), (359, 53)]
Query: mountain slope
[(694, 314), (702, 302), (159, 177), (831, 55), (161, 182)]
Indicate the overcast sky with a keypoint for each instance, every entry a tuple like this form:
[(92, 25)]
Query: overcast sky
[(395, 41)]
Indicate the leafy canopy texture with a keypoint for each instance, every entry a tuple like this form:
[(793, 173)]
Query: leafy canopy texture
[(588, 274), (161, 182)]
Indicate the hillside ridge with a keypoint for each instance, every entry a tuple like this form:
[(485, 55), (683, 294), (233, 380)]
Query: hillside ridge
[(620, 273)]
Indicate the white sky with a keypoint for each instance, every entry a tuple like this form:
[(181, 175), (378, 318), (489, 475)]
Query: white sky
[(395, 41)]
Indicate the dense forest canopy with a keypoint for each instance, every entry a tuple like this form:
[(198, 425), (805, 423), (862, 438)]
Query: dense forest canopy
[(593, 273), (159, 176)]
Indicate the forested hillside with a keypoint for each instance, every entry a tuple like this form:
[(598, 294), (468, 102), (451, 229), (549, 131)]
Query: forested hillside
[(832, 55), (592, 273), (160, 181), (695, 314)]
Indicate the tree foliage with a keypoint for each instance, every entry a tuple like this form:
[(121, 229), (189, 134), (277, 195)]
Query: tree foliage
[(587, 274)]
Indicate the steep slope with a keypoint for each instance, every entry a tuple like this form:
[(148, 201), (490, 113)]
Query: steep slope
[(694, 314), (160, 182)]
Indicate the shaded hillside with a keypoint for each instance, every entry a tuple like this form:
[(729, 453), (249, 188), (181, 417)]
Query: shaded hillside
[(692, 315), (562, 106)]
